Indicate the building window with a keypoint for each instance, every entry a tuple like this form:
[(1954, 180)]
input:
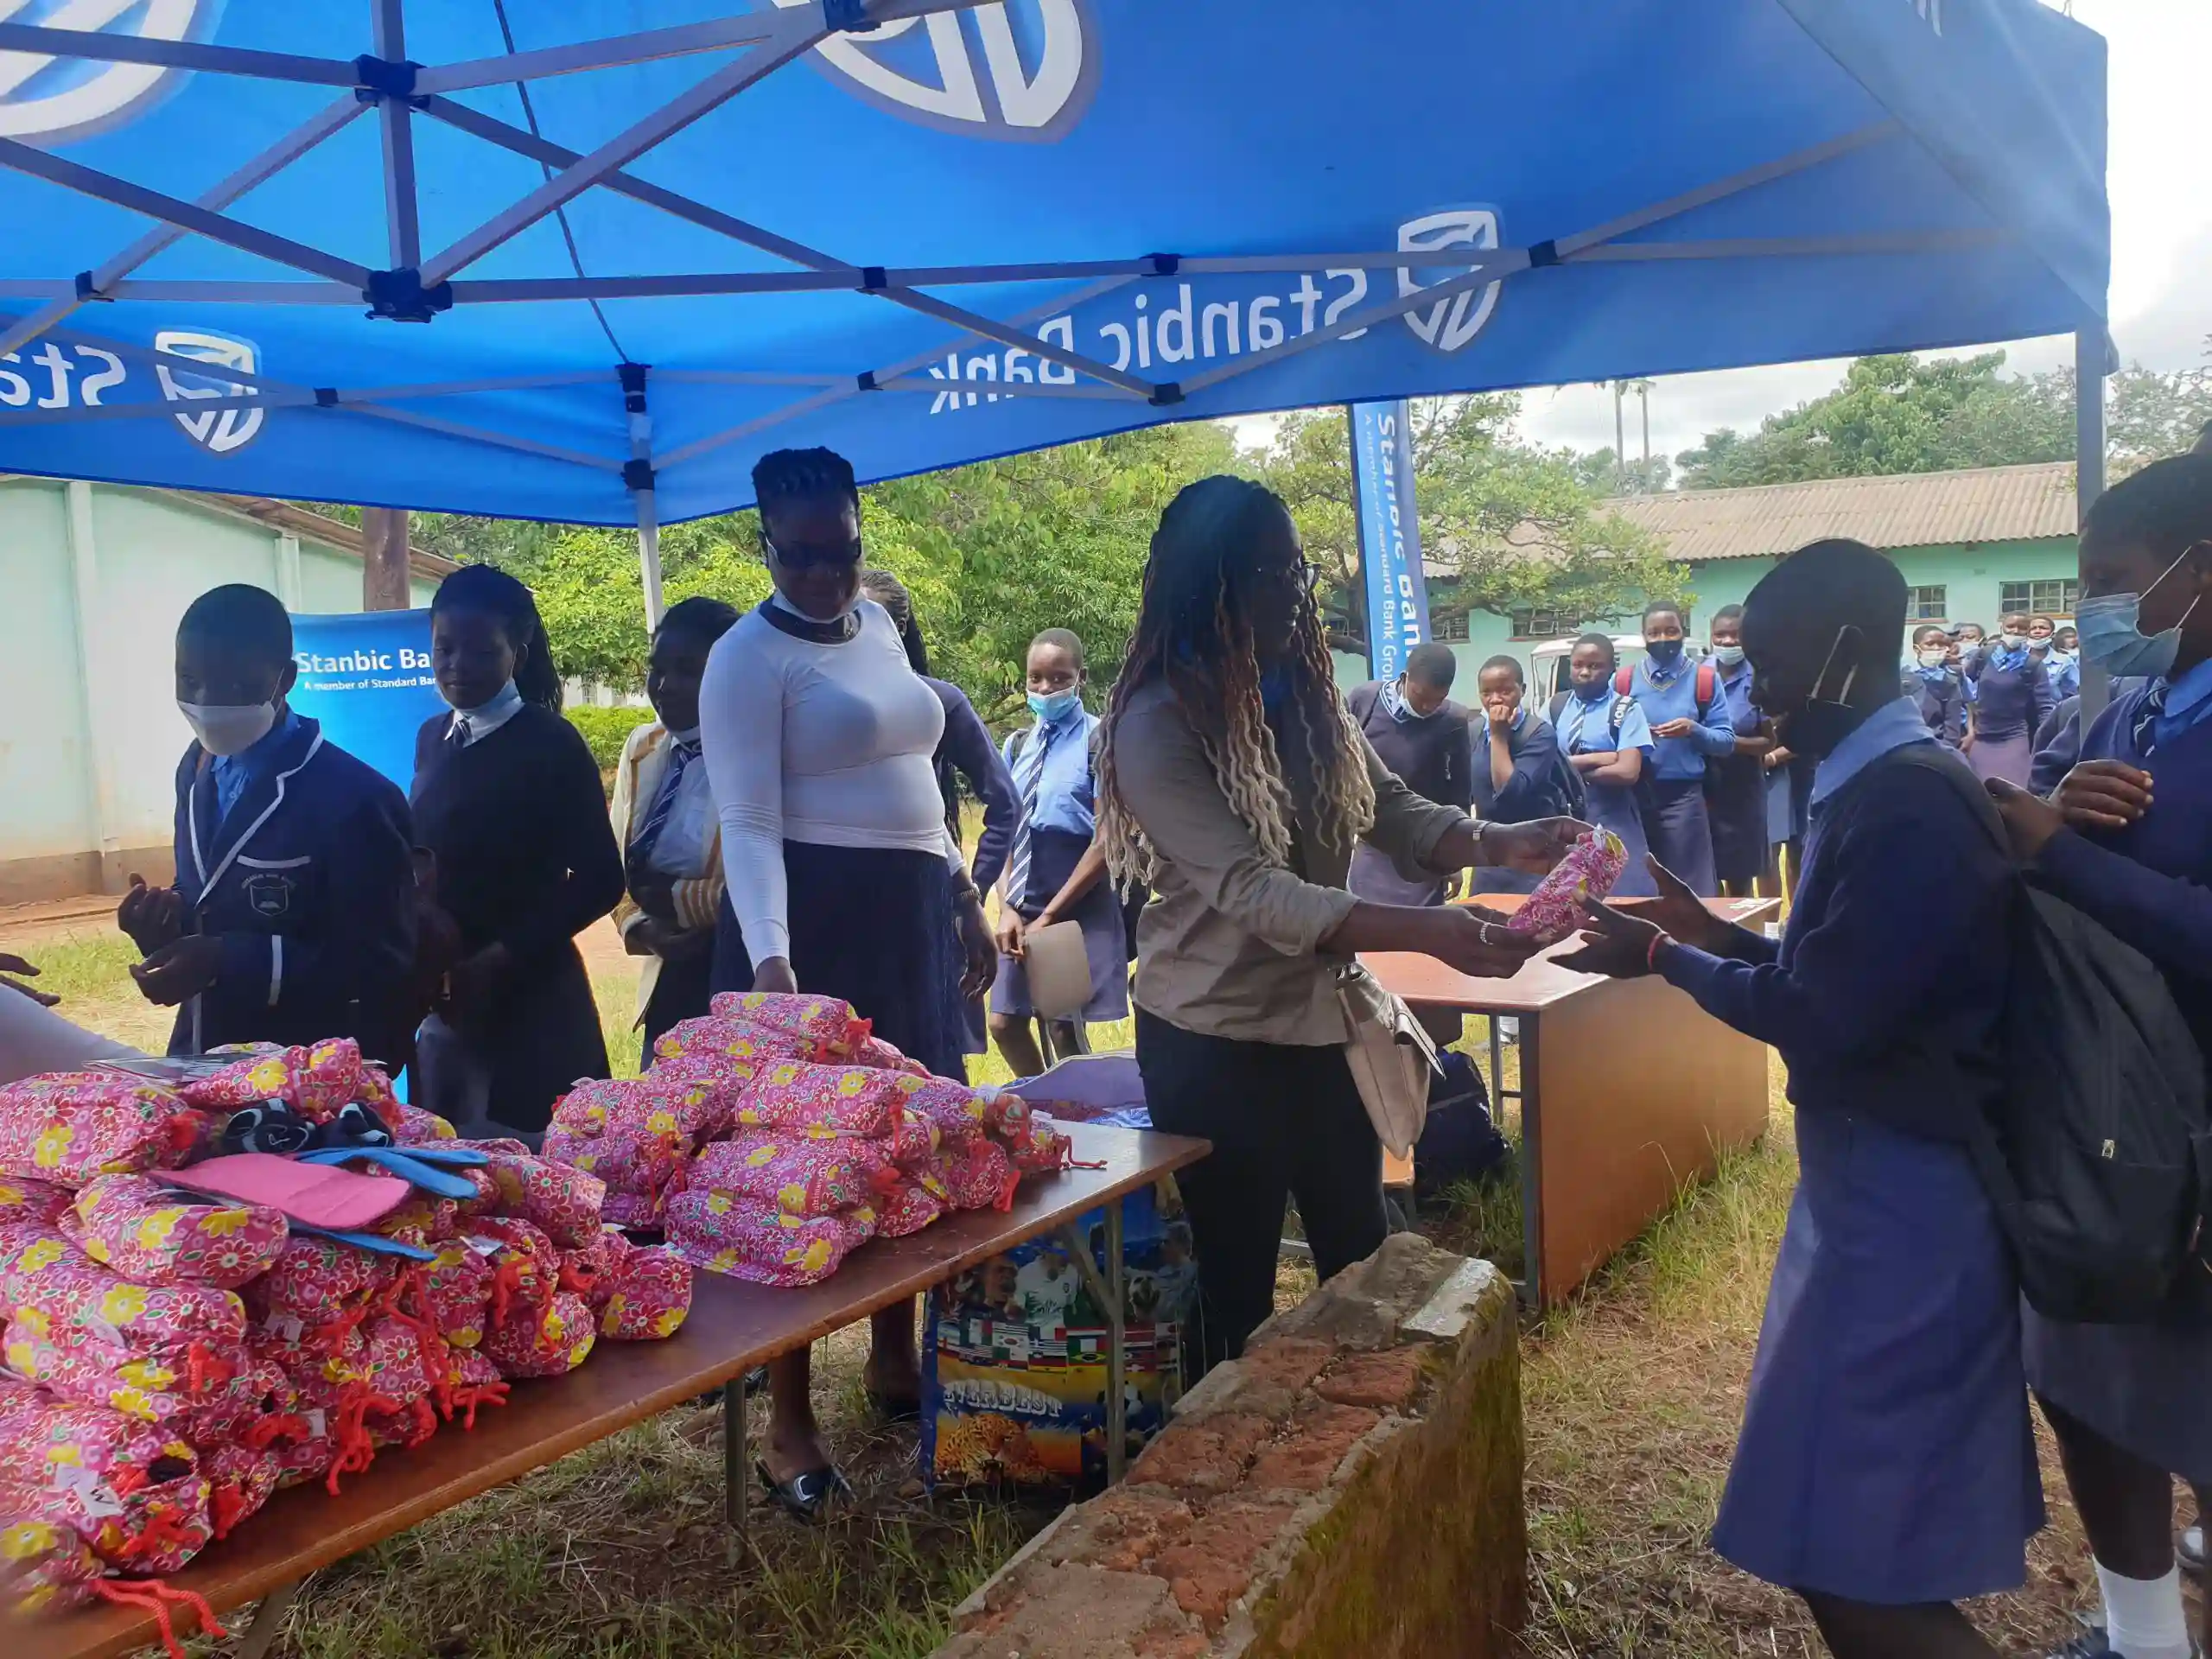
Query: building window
[(2058, 597), (1449, 627), (1926, 604), (1539, 625)]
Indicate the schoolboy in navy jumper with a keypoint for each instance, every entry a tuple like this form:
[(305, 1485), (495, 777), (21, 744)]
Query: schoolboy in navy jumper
[(2132, 1405), (1425, 738), (1937, 687), (1886, 1469), (292, 918), (1689, 719)]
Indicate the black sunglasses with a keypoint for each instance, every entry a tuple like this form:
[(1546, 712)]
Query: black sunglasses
[(809, 558)]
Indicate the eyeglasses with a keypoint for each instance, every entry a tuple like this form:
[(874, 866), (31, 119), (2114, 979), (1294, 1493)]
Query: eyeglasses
[(808, 557), (1306, 574)]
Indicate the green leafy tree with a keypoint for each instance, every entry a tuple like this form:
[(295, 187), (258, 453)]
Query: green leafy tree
[(1503, 526), (1897, 414)]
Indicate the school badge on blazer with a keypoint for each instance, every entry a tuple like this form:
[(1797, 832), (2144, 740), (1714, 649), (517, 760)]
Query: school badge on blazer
[(270, 895)]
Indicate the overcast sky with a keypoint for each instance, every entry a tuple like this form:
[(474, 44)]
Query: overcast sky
[(2161, 249)]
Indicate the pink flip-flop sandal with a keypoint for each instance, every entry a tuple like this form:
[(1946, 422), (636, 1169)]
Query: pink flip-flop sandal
[(336, 1199)]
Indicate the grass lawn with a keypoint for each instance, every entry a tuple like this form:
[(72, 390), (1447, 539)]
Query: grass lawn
[(1633, 1391)]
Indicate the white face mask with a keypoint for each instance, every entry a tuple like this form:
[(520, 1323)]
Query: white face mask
[(226, 728), (2012, 641), (1935, 658)]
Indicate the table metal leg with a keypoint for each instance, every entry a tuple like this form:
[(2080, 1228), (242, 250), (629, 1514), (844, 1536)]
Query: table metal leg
[(1117, 1355), (1530, 1285), (737, 1461), (268, 1619), (1106, 1289)]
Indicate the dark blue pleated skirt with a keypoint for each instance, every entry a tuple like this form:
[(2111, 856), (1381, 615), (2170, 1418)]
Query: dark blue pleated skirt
[(873, 926)]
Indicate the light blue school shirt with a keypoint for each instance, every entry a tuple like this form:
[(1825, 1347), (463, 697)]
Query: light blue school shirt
[(1890, 727), (1065, 798), (1672, 694), (1587, 728)]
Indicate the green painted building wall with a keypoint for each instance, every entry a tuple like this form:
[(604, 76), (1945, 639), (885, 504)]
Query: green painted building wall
[(94, 578), (1973, 581)]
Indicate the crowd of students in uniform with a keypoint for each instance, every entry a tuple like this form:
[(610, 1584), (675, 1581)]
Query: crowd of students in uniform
[(787, 821)]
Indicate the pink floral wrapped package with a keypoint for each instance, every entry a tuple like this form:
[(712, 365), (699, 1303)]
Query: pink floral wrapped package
[(753, 1241), (560, 1201), (1560, 902), (800, 1174), (67, 1127), (549, 1341), (642, 1294), (825, 1021), (134, 1492), (153, 1234), (317, 1082), (314, 1279), (728, 1047), (911, 1206), (38, 1201), (73, 1293), (791, 1094)]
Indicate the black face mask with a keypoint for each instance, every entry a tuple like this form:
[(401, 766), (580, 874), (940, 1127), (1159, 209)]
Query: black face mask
[(1823, 723)]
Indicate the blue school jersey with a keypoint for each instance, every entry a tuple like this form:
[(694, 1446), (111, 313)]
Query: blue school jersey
[(308, 880), (1886, 1454), (2151, 882), (1681, 760)]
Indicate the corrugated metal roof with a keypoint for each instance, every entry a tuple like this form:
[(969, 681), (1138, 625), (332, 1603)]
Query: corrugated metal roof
[(1981, 503)]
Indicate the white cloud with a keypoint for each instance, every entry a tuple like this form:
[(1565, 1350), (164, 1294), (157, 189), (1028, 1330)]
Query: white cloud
[(2162, 247)]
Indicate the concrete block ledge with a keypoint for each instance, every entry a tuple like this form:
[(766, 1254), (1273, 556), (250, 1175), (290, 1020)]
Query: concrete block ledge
[(1352, 1485)]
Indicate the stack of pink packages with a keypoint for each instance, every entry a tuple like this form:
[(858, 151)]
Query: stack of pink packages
[(174, 1358), (776, 1135)]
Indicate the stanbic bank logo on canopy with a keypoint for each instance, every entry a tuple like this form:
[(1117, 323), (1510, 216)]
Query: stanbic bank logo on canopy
[(1450, 323), (1022, 69), (50, 100), (218, 431)]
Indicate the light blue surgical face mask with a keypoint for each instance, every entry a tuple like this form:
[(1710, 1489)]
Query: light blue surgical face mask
[(1055, 706), (2112, 633), (1728, 655)]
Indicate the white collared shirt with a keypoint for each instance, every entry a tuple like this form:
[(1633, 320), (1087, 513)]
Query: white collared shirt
[(488, 716)]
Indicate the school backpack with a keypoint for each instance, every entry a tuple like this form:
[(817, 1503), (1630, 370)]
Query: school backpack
[(1707, 684), (1569, 784), (2101, 1175)]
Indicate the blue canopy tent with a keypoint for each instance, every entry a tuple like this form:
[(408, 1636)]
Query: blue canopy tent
[(586, 261)]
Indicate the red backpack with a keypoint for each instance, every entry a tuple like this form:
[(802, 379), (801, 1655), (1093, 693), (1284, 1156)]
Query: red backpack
[(1707, 684)]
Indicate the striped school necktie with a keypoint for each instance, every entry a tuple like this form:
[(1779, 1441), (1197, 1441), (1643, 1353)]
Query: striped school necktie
[(1028, 775), (681, 754), (2145, 732)]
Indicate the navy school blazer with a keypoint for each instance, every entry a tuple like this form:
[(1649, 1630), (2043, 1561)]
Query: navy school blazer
[(310, 883)]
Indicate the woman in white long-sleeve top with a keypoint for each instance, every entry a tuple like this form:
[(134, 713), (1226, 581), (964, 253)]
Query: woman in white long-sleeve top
[(818, 737)]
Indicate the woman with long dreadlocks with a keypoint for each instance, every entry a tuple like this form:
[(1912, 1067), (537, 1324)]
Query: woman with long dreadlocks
[(1232, 781)]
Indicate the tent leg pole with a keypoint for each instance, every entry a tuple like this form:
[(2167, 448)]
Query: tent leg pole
[(649, 555), (2092, 355)]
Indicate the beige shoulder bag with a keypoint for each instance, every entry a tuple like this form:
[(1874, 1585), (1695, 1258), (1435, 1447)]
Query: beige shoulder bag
[(1391, 1058)]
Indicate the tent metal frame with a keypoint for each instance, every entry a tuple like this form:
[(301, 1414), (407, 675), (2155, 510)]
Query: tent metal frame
[(417, 286)]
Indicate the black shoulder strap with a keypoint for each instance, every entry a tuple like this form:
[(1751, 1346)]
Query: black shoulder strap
[(1552, 709), (1015, 743), (1618, 717), (1934, 757)]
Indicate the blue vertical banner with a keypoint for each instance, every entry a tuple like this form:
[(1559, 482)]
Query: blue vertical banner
[(368, 678), (1390, 534)]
